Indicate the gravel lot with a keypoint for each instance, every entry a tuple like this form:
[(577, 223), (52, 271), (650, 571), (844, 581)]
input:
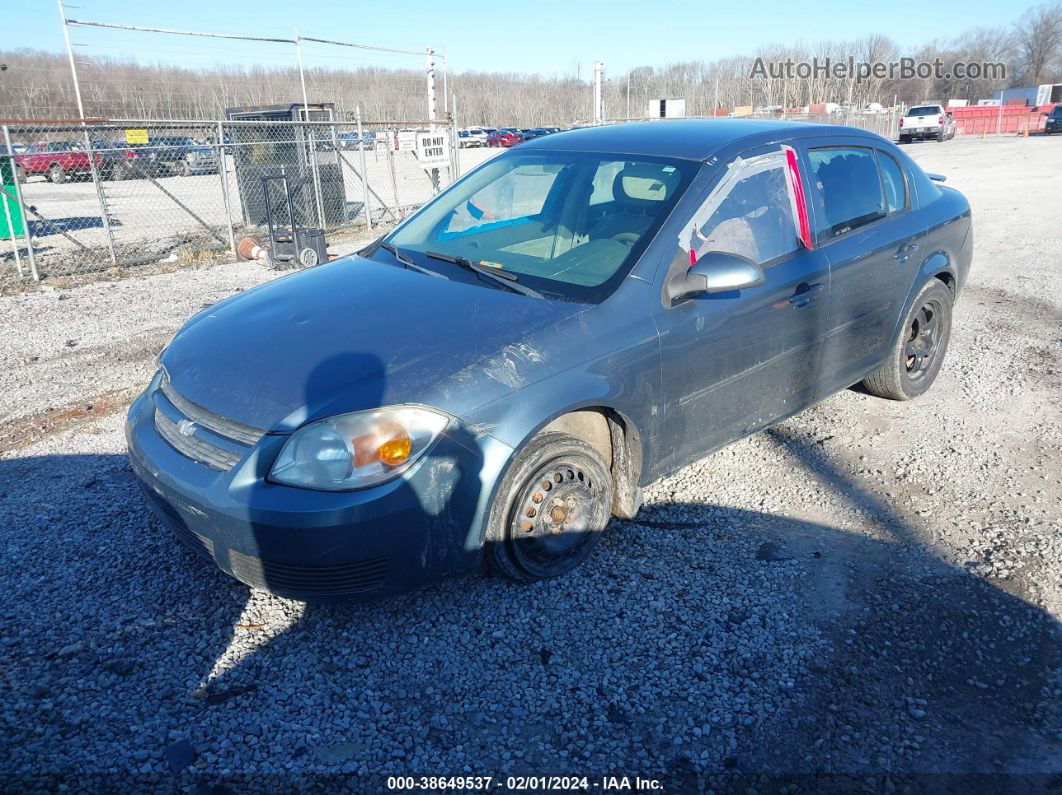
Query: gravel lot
[(904, 623)]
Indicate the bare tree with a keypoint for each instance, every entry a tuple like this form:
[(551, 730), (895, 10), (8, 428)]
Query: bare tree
[(1039, 37)]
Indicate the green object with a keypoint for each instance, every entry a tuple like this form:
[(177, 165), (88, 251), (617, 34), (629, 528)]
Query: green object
[(12, 224)]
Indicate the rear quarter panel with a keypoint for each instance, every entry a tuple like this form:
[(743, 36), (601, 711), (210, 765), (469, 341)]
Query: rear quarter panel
[(948, 220)]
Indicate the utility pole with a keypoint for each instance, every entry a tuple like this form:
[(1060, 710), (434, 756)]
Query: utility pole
[(310, 134), (104, 216), (598, 115), (70, 55), (431, 83), (446, 95)]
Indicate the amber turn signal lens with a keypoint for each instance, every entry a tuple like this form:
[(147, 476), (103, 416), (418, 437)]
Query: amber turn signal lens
[(395, 450)]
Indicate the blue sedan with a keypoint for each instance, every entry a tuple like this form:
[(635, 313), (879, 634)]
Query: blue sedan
[(499, 376)]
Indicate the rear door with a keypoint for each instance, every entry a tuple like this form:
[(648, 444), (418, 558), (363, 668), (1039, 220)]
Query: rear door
[(860, 200)]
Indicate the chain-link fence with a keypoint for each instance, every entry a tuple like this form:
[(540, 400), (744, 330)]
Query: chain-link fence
[(88, 198)]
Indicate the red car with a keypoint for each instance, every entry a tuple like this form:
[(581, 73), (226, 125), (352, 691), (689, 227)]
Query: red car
[(504, 138), (57, 161)]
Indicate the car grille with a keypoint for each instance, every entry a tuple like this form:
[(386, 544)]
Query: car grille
[(191, 442), (230, 429), (309, 581)]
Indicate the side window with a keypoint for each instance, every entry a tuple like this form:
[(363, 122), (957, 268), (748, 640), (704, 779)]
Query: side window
[(753, 219), (892, 179), (848, 190)]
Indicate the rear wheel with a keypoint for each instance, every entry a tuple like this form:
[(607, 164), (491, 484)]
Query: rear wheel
[(20, 173), (941, 136), (550, 510), (917, 355), (56, 174), (905, 139)]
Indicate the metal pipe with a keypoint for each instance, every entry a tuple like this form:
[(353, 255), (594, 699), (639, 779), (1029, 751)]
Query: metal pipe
[(364, 177), (224, 172), (25, 217), (185, 207), (101, 198)]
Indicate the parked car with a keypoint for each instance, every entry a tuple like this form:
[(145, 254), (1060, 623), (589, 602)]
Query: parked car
[(351, 140), (533, 133), (320, 437), (505, 137), (472, 136), (926, 121), (1053, 122), (58, 161), (118, 159), (177, 154)]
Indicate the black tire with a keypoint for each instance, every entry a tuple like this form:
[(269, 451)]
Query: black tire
[(905, 139), (186, 168), (918, 353), (56, 174), (20, 174), (550, 510), (941, 137)]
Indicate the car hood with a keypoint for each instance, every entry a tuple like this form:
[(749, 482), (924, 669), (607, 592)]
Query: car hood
[(358, 334)]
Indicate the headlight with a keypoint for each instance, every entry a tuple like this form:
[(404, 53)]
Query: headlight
[(352, 451)]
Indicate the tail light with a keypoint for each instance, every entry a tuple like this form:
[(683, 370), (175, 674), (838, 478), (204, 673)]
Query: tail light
[(901, 122), (940, 121)]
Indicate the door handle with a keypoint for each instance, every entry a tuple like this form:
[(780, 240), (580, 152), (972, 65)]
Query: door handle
[(903, 253), (805, 294)]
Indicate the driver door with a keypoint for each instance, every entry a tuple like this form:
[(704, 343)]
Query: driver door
[(734, 362)]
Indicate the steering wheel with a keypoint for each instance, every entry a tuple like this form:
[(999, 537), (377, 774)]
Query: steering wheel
[(627, 238)]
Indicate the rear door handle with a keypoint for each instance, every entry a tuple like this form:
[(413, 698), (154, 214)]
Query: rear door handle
[(805, 294)]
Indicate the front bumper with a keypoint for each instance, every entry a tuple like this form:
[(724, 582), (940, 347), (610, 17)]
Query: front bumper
[(317, 545)]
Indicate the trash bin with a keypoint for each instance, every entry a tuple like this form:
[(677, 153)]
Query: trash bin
[(12, 224)]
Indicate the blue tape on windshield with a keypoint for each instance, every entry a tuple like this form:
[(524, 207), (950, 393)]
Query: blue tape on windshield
[(481, 227)]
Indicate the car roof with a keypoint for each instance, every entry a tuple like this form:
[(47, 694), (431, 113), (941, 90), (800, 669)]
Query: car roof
[(691, 139)]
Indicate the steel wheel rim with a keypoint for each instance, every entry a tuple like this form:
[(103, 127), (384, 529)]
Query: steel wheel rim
[(923, 340), (556, 516)]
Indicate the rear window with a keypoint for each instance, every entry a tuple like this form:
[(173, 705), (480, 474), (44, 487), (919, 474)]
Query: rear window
[(1057, 112), (847, 188), (924, 110)]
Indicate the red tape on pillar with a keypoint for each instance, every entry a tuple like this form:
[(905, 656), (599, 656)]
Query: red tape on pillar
[(798, 195)]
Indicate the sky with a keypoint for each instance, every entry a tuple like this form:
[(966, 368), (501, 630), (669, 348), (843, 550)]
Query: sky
[(548, 37)]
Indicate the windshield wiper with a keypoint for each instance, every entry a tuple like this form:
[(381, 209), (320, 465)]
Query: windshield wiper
[(409, 263), (503, 278)]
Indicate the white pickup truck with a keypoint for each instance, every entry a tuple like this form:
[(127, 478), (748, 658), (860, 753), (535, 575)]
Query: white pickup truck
[(926, 121)]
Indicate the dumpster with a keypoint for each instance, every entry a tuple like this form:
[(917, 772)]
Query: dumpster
[(282, 146), (12, 224)]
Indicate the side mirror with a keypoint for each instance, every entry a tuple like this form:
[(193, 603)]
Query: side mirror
[(716, 272)]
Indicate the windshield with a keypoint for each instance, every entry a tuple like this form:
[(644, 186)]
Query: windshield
[(1057, 112), (568, 224), (925, 110)]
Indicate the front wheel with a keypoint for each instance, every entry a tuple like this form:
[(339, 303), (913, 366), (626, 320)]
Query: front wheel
[(56, 174), (550, 510), (918, 353)]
